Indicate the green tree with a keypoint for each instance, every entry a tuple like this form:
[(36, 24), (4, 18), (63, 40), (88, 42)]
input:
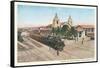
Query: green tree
[(59, 45), (64, 30), (55, 43), (53, 30), (56, 31), (71, 33)]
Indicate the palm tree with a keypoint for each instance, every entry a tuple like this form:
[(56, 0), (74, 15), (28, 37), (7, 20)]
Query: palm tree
[(70, 34), (73, 32)]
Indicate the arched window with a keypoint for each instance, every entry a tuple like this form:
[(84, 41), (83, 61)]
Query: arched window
[(57, 21)]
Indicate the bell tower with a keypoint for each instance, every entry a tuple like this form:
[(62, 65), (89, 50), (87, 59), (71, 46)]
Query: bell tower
[(56, 22), (69, 22)]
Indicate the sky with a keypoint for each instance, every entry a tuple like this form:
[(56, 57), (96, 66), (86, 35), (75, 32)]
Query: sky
[(29, 15)]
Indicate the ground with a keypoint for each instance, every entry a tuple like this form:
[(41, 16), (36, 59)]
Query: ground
[(32, 50)]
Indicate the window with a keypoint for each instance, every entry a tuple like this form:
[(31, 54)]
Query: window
[(92, 30), (57, 22)]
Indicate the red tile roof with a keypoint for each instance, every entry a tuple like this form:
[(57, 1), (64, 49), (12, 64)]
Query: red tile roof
[(86, 26), (81, 27)]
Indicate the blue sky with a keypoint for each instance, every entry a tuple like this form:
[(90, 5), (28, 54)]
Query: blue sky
[(39, 15)]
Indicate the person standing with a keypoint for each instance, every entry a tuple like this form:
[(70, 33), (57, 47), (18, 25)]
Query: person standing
[(83, 40), (83, 37)]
